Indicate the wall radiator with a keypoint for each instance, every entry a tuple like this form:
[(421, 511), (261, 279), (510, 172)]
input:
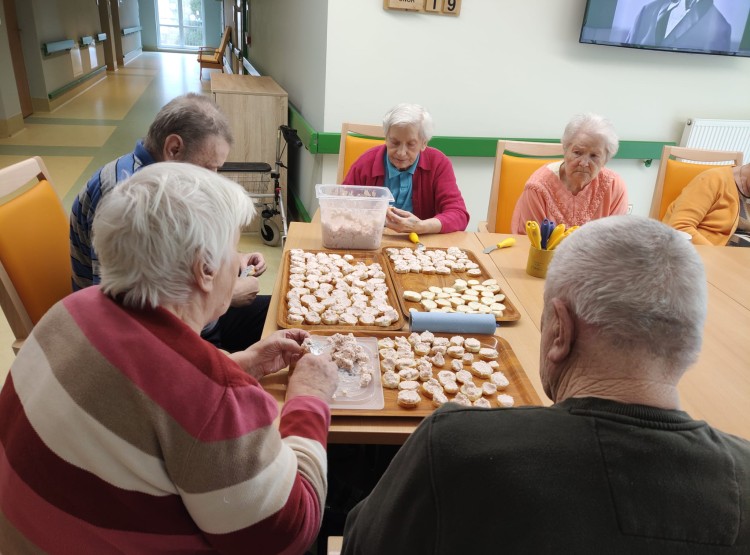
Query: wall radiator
[(718, 134)]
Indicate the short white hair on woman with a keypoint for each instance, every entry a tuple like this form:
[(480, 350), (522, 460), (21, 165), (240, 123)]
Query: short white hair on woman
[(638, 282), (150, 230), (595, 125), (408, 115)]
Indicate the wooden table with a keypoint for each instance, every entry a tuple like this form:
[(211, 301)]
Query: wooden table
[(717, 387), (728, 269), (522, 335)]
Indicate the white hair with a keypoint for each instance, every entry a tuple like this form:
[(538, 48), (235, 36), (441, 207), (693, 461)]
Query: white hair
[(408, 115), (595, 125), (150, 230), (639, 282)]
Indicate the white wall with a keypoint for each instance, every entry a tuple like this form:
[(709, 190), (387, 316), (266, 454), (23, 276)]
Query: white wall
[(288, 42), (511, 69)]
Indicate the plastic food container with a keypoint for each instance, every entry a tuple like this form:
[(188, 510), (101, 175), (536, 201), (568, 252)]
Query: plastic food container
[(352, 216)]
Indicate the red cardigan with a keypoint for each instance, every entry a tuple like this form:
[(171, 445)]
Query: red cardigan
[(434, 192)]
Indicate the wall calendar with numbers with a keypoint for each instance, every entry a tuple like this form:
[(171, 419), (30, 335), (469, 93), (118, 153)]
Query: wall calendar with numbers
[(439, 7)]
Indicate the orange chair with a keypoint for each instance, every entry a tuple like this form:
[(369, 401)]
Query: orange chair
[(213, 58), (355, 140), (34, 247), (515, 161), (678, 166)]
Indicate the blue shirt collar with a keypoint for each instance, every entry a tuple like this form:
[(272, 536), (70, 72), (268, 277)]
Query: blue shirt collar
[(392, 171)]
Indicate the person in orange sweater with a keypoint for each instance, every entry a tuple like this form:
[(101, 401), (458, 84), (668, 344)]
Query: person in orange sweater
[(712, 206)]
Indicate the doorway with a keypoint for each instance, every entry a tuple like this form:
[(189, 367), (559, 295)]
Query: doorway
[(16, 54), (179, 24)]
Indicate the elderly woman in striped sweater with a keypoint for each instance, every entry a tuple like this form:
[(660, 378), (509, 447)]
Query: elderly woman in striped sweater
[(122, 431)]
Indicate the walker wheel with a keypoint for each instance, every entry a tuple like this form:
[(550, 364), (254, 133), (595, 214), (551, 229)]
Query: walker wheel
[(269, 232)]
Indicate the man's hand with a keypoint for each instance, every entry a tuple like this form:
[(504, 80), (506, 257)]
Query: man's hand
[(245, 290), (254, 259), (269, 355), (403, 221)]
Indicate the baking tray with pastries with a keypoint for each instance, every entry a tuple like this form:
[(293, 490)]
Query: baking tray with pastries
[(421, 371), (446, 280), (337, 290)]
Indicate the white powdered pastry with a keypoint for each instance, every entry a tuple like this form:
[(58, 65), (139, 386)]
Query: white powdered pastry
[(486, 353), (472, 345), (408, 398), (439, 399), (462, 399), (390, 380), (471, 391), (499, 379), (489, 389), (505, 400), (408, 385)]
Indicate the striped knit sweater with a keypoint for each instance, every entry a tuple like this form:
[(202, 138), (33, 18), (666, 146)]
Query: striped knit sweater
[(121, 431)]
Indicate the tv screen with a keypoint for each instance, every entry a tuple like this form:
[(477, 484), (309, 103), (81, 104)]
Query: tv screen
[(699, 26)]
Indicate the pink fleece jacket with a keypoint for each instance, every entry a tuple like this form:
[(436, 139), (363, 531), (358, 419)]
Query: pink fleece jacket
[(434, 194), (545, 196)]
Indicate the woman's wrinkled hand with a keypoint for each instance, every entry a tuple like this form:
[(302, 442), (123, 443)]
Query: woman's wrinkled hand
[(315, 375), (402, 221), (269, 355)]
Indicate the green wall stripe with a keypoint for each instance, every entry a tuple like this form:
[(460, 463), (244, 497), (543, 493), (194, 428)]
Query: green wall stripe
[(328, 143), (304, 130), (483, 147)]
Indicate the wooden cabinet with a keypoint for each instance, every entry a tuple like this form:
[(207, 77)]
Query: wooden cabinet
[(255, 106)]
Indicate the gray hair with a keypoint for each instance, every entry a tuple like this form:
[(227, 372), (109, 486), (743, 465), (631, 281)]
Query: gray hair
[(194, 117), (639, 282), (595, 125), (151, 229), (408, 115)]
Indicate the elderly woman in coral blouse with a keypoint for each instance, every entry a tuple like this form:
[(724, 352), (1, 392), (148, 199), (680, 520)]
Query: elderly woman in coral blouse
[(578, 188)]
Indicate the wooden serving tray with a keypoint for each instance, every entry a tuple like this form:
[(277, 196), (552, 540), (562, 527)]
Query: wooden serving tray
[(520, 387), (368, 257), (421, 282)]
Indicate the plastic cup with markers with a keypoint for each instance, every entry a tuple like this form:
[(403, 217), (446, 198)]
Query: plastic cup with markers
[(544, 238)]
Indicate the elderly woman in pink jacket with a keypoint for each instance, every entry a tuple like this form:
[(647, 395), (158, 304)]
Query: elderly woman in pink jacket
[(421, 178), (578, 188)]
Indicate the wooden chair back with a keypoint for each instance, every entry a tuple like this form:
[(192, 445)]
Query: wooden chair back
[(35, 269), (678, 166), (515, 161), (213, 58), (355, 140)]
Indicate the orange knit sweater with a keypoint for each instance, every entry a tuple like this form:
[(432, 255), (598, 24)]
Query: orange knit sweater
[(708, 207)]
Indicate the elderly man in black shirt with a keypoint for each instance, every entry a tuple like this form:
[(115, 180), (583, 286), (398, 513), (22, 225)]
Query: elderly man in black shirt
[(614, 466)]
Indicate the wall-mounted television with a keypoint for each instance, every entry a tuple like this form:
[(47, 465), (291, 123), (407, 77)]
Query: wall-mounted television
[(698, 26)]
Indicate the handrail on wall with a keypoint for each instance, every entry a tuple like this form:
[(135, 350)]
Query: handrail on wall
[(65, 88), (131, 30), (58, 46)]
